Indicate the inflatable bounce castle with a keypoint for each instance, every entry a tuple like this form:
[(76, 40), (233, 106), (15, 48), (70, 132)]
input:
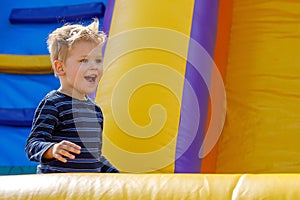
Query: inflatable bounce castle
[(200, 98)]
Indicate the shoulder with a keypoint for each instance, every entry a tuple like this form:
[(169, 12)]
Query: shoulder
[(47, 105), (93, 103), (94, 106), (48, 99), (53, 99), (56, 98)]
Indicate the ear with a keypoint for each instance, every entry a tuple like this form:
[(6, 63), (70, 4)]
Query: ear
[(58, 68)]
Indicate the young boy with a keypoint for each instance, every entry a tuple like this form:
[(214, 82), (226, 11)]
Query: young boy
[(66, 134)]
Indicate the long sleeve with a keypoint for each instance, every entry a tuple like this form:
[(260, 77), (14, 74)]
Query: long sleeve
[(107, 166), (45, 119)]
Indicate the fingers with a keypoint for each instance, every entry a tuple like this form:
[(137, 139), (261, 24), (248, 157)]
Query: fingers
[(60, 158), (70, 147), (64, 150)]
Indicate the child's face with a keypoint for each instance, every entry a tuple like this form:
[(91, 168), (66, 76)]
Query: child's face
[(83, 69)]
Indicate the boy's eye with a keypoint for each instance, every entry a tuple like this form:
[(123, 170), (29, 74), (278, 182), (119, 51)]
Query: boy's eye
[(84, 60), (98, 61)]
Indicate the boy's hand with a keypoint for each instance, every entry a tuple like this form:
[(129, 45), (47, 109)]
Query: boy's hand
[(62, 150)]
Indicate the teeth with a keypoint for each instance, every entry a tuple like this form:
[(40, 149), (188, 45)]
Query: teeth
[(91, 78)]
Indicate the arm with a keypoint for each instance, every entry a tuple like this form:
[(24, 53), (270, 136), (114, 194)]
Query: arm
[(107, 166), (39, 145), (40, 138)]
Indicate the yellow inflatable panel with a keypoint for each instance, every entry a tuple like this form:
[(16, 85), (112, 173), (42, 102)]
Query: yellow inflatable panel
[(150, 186), (262, 129), (140, 133), (25, 64)]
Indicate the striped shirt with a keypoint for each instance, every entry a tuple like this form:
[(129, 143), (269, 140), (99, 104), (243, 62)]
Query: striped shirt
[(60, 117)]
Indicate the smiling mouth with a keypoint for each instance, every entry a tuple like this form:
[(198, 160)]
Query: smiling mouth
[(91, 78)]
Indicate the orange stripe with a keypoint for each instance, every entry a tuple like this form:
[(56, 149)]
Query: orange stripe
[(220, 58)]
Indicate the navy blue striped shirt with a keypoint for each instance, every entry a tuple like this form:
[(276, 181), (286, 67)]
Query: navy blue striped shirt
[(60, 117)]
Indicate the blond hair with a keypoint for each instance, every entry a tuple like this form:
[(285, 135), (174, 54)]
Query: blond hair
[(61, 40)]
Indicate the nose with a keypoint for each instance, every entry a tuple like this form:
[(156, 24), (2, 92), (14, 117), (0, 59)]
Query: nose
[(92, 65), (95, 65)]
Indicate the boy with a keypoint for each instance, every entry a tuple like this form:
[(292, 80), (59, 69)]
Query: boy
[(66, 134)]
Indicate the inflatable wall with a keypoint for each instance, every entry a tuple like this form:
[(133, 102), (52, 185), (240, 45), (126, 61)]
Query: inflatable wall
[(261, 132), (163, 96), (157, 83), (25, 69), (207, 86)]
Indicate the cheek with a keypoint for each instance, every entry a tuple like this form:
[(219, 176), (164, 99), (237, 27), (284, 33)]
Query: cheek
[(75, 74), (100, 76), (100, 71)]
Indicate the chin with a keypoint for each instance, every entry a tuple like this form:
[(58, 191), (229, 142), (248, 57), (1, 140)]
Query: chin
[(90, 91)]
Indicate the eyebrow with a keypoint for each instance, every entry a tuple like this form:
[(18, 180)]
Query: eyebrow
[(100, 56)]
